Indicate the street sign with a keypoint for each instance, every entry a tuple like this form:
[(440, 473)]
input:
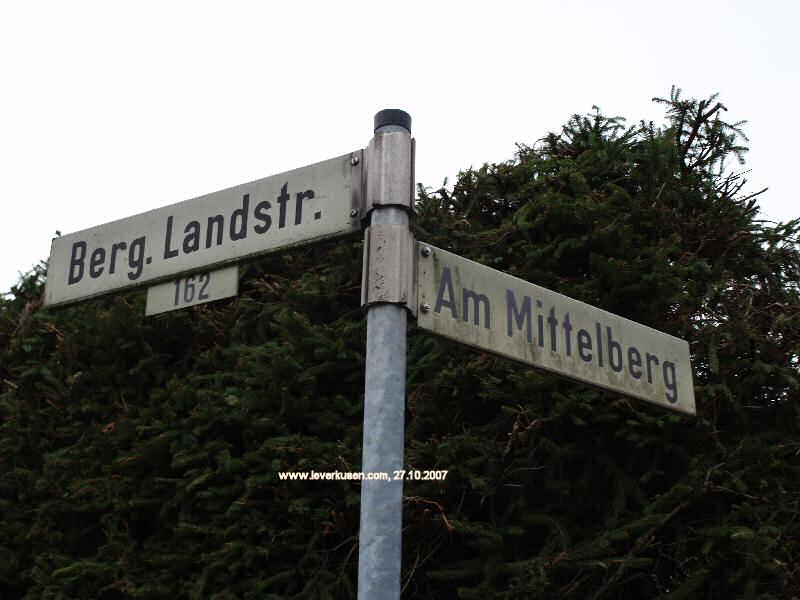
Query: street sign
[(198, 242), (302, 206), (467, 302), (199, 288)]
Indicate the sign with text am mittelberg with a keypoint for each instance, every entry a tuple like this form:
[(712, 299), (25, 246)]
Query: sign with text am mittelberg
[(492, 311)]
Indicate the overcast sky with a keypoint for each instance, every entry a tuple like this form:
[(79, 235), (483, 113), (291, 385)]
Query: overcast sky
[(108, 109)]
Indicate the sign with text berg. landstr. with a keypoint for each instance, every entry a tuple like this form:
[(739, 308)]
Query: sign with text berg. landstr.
[(467, 302), (298, 207)]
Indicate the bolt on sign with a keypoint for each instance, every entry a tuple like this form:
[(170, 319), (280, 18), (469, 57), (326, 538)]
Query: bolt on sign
[(484, 308), (302, 206)]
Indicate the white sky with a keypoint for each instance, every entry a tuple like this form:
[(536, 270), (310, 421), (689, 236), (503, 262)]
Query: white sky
[(108, 109)]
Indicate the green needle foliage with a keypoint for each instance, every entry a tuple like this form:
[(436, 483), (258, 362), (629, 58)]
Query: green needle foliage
[(139, 457)]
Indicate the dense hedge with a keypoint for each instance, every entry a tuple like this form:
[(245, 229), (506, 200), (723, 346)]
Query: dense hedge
[(139, 456)]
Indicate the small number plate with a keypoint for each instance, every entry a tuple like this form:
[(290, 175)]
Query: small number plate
[(191, 290)]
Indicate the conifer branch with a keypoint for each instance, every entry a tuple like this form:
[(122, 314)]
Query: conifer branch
[(644, 540)]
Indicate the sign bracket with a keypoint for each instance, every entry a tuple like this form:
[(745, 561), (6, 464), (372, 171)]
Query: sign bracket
[(388, 266)]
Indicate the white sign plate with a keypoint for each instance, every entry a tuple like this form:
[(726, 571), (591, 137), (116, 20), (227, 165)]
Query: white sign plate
[(298, 207), (492, 311), (199, 288)]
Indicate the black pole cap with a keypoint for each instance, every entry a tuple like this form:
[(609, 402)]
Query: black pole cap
[(393, 116)]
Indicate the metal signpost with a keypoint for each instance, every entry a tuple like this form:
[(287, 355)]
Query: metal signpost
[(198, 243), (386, 289)]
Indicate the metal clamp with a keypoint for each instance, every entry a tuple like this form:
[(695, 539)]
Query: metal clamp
[(390, 170), (388, 266)]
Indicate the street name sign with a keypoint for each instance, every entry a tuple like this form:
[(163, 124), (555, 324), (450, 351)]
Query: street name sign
[(199, 288), (301, 206), (187, 253), (484, 308)]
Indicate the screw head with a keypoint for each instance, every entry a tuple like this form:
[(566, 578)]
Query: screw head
[(354, 160), (426, 307), (354, 212), (426, 251)]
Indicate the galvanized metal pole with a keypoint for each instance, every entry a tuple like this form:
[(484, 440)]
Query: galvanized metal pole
[(389, 176)]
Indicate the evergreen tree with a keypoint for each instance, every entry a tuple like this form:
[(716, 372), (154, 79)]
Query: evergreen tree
[(139, 457)]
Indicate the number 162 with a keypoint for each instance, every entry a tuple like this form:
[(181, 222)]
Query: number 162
[(189, 288)]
